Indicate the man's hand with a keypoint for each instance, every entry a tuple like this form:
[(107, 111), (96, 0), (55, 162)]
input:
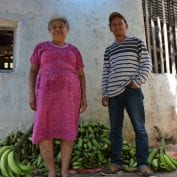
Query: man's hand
[(133, 85), (105, 100)]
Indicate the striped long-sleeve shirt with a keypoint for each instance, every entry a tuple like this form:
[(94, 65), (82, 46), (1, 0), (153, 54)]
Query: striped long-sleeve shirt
[(125, 62)]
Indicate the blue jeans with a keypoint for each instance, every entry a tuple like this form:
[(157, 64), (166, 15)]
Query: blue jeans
[(132, 100)]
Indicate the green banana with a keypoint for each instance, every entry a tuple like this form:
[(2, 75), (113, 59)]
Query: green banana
[(132, 153), (100, 156), (131, 162), (79, 143), (154, 164), (11, 174), (89, 145), (27, 175), (152, 155), (174, 161), (12, 163), (90, 129), (125, 147), (107, 141), (126, 168), (58, 157), (105, 146), (169, 162), (162, 164), (3, 149), (39, 160), (95, 143), (25, 168), (4, 163)]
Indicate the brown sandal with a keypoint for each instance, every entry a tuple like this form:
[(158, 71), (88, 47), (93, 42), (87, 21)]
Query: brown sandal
[(111, 169), (145, 171)]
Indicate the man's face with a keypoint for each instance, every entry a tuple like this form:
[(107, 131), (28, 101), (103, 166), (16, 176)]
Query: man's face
[(118, 27)]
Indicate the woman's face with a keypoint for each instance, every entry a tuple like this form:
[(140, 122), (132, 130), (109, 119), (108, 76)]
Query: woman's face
[(58, 31)]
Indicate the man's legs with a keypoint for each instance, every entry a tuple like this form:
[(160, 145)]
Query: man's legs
[(135, 108), (116, 113)]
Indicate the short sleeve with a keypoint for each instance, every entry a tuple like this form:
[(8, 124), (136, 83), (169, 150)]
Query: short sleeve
[(35, 57), (79, 60)]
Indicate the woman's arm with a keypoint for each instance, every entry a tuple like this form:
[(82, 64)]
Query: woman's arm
[(31, 83), (83, 90)]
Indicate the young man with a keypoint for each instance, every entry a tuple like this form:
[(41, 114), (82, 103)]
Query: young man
[(127, 66)]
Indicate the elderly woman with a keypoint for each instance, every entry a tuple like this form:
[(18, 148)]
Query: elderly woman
[(57, 94)]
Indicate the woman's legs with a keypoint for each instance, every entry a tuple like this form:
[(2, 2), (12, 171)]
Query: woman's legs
[(66, 151), (46, 150)]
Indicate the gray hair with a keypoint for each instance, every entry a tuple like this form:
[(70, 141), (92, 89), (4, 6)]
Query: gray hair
[(62, 19)]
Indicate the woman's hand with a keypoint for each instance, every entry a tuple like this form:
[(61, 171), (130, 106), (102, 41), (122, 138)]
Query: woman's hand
[(83, 105), (32, 102)]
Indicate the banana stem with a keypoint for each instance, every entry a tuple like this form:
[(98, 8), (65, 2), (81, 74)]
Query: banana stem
[(161, 138), (23, 139)]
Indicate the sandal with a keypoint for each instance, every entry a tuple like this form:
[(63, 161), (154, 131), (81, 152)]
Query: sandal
[(111, 169), (145, 171)]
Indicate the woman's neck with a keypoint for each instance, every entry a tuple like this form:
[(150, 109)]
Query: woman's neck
[(59, 43)]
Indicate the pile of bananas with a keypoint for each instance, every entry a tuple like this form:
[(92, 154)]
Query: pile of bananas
[(159, 160), (10, 164), (128, 157), (91, 150)]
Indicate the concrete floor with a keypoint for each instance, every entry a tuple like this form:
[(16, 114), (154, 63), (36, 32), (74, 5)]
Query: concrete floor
[(169, 174), (123, 174)]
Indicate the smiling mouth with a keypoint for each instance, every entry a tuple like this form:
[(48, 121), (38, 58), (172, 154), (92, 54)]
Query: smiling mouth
[(58, 34)]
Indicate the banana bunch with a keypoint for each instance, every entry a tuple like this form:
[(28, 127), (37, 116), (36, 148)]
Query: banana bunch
[(12, 138), (91, 150), (10, 166), (128, 157), (92, 146), (159, 160)]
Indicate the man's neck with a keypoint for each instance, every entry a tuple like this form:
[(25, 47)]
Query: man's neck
[(120, 39)]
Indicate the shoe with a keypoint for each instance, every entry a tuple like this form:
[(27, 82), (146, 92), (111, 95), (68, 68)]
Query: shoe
[(111, 169), (145, 171)]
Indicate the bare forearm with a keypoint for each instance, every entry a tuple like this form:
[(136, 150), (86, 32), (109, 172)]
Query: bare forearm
[(32, 80), (83, 85), (83, 105)]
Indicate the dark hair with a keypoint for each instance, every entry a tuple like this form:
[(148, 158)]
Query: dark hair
[(116, 14), (63, 19)]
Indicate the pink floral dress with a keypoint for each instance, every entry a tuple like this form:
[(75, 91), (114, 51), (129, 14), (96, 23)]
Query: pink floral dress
[(58, 92)]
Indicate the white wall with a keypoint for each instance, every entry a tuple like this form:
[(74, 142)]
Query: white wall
[(90, 33)]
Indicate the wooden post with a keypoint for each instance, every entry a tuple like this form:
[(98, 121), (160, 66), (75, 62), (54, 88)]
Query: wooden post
[(147, 27), (165, 38), (160, 45), (154, 45)]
